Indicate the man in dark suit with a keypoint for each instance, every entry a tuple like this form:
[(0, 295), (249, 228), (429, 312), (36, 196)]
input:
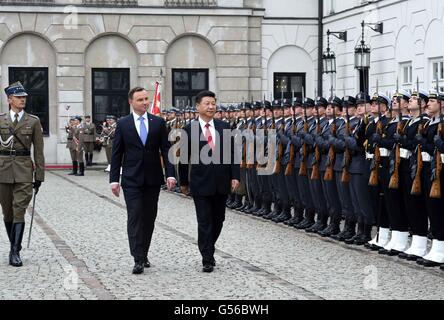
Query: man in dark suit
[(209, 182), (139, 140)]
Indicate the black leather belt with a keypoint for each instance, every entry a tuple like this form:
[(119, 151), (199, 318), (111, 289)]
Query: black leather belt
[(15, 153)]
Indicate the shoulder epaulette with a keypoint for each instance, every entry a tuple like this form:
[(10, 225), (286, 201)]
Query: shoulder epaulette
[(33, 116)]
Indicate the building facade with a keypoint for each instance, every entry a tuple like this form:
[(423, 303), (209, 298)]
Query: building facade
[(79, 57)]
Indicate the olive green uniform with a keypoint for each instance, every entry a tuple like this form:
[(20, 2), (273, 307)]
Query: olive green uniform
[(70, 145), (17, 169)]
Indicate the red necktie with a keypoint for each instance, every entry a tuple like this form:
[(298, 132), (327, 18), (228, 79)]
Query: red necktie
[(209, 136)]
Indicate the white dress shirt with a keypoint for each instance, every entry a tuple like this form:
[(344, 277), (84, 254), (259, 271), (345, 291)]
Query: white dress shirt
[(137, 122), (20, 115), (212, 129)]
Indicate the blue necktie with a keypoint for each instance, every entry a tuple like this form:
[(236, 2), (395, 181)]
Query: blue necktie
[(143, 131)]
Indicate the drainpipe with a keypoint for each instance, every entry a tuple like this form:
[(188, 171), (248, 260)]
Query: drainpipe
[(320, 44)]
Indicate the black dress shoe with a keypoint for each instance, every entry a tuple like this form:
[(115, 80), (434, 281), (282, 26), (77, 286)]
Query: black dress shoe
[(147, 263), (442, 267), (208, 268), (138, 268)]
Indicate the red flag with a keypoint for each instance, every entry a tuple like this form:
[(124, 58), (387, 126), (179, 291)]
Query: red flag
[(156, 106)]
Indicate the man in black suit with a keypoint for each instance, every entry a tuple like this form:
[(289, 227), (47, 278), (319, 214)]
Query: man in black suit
[(209, 182), (139, 140)]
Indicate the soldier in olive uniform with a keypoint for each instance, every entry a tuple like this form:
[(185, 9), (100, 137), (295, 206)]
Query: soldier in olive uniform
[(19, 131), (71, 146), (89, 138), (107, 138), (78, 141)]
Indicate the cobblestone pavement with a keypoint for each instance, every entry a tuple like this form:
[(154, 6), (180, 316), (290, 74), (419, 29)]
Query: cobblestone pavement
[(79, 250)]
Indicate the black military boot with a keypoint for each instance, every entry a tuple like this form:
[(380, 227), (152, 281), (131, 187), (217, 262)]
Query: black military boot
[(333, 228), (16, 244), (357, 235), (298, 217), (308, 220), (8, 226), (348, 232), (320, 224), (277, 210), (237, 202), (285, 215), (75, 166), (81, 170), (266, 209), (247, 207), (366, 235), (230, 200)]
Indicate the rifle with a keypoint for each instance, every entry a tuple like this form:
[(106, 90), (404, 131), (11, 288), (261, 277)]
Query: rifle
[(416, 185), (315, 175), (277, 165), (243, 164), (345, 178), (328, 176), (373, 181), (394, 180), (289, 170), (435, 191), (253, 128), (303, 167)]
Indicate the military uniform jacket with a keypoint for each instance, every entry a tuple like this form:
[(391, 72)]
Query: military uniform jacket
[(356, 144), (338, 142), (310, 139), (108, 134), (89, 132), (323, 141), (70, 139), (27, 133)]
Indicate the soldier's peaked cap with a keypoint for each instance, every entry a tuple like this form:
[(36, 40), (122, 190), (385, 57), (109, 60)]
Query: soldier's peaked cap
[(16, 89)]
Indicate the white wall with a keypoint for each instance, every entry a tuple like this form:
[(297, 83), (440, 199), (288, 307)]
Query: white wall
[(412, 31), (291, 8)]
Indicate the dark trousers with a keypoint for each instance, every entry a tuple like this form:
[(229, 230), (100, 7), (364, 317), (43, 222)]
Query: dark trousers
[(362, 202), (344, 197), (141, 206), (415, 207), (332, 197), (210, 211), (304, 188), (435, 207)]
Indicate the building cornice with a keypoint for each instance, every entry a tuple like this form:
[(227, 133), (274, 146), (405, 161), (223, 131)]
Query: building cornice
[(140, 10), (359, 10)]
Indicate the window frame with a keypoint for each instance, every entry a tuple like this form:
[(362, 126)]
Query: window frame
[(288, 94), (189, 92), (109, 92), (35, 92)]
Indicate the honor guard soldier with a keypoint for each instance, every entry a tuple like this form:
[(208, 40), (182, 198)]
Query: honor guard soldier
[(433, 180), (19, 131), (263, 123), (292, 174), (416, 207), (89, 138), (357, 170), (78, 141), (107, 138), (316, 163), (299, 141), (335, 120), (70, 145), (342, 168), (396, 172), (284, 136)]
